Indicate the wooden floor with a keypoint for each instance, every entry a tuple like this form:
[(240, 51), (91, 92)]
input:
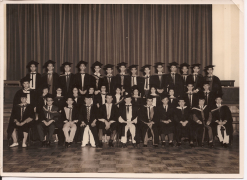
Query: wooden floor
[(122, 160)]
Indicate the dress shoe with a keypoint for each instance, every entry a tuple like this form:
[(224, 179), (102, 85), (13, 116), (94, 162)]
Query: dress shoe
[(179, 144), (83, 145), (43, 144), (222, 144), (110, 143), (124, 145), (138, 145), (100, 144), (211, 145), (155, 146), (202, 145), (163, 144), (24, 145), (144, 145), (192, 145), (171, 144), (48, 144), (225, 145), (14, 145), (66, 144), (134, 145)]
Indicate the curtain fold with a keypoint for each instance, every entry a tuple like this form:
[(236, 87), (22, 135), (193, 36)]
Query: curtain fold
[(136, 34)]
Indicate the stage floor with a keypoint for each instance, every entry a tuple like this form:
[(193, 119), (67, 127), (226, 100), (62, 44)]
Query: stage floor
[(122, 160)]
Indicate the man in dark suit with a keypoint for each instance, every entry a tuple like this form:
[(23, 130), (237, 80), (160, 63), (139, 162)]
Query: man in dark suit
[(196, 78), (31, 95), (47, 120), (123, 79), (202, 118), (135, 79), (87, 121), (128, 115), (50, 77), (148, 116), (109, 79), (184, 68), (82, 79), (209, 96), (214, 81), (166, 121), (191, 98), (22, 117), (174, 80), (183, 122), (159, 79), (69, 116), (35, 78), (100, 98), (146, 69), (222, 121), (108, 117), (66, 79), (97, 78)]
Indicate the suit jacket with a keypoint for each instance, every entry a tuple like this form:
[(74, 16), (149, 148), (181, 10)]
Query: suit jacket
[(197, 114), (198, 83), (112, 84), (60, 102), (173, 102), (28, 113), (87, 81), (165, 115), (178, 86), (100, 81), (223, 113), (75, 114), (156, 81), (114, 113), (67, 89), (140, 84), (55, 79), (33, 97), (215, 84), (210, 101), (178, 116), (143, 115), (79, 102), (195, 100), (127, 81), (122, 112), (83, 115), (137, 101), (115, 100), (54, 114), (37, 81), (40, 103), (98, 99)]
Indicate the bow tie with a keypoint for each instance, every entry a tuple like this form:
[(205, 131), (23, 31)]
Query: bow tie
[(23, 105), (70, 107), (88, 106), (103, 94), (173, 73), (109, 76), (49, 107), (33, 73)]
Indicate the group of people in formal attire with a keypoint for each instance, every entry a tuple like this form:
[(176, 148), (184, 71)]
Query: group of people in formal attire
[(162, 108)]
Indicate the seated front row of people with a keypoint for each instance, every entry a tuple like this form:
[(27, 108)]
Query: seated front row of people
[(141, 121)]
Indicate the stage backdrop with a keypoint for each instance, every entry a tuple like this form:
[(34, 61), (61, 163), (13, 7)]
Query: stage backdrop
[(136, 34)]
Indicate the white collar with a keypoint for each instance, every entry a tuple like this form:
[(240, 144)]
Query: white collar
[(67, 73), (181, 107), (59, 95), (128, 104)]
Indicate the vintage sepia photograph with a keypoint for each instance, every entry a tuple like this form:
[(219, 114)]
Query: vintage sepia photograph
[(94, 90)]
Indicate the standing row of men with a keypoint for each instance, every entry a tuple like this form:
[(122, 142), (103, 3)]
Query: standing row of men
[(90, 105)]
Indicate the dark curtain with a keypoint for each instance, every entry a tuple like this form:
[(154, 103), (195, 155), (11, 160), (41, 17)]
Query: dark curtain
[(136, 34)]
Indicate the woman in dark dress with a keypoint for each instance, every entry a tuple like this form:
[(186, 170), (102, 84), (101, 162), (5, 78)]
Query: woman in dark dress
[(137, 100), (173, 101)]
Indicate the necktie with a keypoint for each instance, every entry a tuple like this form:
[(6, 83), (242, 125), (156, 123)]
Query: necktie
[(22, 111), (203, 118), (173, 78), (97, 81), (88, 113), (184, 78), (149, 112), (122, 80), (32, 78), (190, 98), (109, 84), (108, 111), (182, 111), (48, 113), (195, 76), (147, 82), (70, 113), (206, 94), (128, 108), (67, 81), (160, 78), (132, 83), (166, 108)]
